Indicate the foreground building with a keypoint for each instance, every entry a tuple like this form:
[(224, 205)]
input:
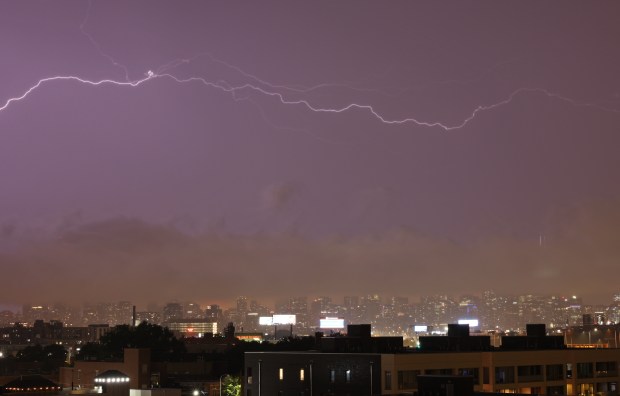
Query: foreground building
[(532, 364)]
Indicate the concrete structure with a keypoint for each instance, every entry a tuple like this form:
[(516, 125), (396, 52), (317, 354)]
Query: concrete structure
[(545, 372), (192, 327), (136, 365), (156, 392), (113, 383), (32, 385), (143, 374), (532, 364), (312, 373)]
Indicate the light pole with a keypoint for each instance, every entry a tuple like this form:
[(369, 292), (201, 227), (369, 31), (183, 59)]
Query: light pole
[(311, 377), (371, 378), (259, 364), (221, 383)]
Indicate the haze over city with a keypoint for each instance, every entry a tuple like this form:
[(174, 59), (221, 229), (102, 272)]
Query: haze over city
[(154, 151)]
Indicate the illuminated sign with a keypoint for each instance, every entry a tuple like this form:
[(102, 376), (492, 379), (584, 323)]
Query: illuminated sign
[(265, 320), (331, 323), (420, 328), (284, 319), (470, 322)]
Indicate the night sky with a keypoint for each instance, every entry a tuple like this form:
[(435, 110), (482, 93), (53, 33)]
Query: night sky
[(273, 149)]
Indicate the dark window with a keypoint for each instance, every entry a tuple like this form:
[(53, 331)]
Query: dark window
[(585, 370), (438, 372), (504, 375), (555, 390), (606, 369), (485, 376), (470, 372), (530, 373), (388, 380), (555, 372), (408, 379)]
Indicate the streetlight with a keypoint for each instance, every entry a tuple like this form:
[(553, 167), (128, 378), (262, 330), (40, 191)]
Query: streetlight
[(311, 377), (371, 378), (221, 383), (259, 364)]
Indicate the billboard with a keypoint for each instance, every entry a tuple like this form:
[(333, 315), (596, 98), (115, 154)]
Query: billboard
[(420, 328), (470, 322), (284, 319), (331, 323), (265, 320)]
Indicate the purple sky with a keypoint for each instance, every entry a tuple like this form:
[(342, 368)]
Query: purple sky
[(170, 186)]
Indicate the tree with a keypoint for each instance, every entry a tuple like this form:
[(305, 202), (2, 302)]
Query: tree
[(37, 353), (231, 386), (43, 359), (163, 344)]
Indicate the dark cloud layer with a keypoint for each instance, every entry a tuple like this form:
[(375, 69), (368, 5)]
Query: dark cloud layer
[(129, 259)]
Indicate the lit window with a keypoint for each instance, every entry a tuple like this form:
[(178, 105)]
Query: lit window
[(281, 374), (301, 375), (332, 376), (348, 376)]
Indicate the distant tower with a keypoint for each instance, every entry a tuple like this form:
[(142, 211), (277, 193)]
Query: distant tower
[(229, 331), (172, 311)]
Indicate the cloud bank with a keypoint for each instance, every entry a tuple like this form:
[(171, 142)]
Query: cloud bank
[(128, 259)]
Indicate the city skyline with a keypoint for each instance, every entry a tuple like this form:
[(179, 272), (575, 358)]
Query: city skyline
[(387, 314), (155, 150)]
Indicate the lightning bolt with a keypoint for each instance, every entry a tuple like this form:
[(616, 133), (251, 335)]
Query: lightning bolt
[(235, 90), (267, 89), (150, 75), (95, 44)]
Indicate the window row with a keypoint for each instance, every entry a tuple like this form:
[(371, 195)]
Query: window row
[(407, 379), (555, 372), (302, 375)]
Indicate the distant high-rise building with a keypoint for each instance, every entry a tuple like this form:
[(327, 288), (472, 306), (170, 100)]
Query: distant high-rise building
[(351, 301), (242, 305), (90, 315), (297, 306), (213, 312), (192, 311), (33, 312), (241, 312), (7, 318), (172, 311), (320, 308), (152, 317), (122, 313)]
